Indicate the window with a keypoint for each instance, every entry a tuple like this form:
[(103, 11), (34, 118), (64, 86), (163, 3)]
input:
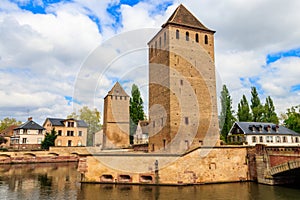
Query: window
[(296, 139), (165, 38), (153, 124), (120, 98), (25, 131), (284, 139), (186, 119), (24, 140), (197, 38), (164, 143), (79, 133), (116, 97), (59, 132), (187, 36), (70, 133), (269, 139), (181, 82), (69, 143), (177, 34), (40, 132), (205, 39), (278, 140), (39, 140), (160, 42), (253, 139), (70, 124), (261, 139)]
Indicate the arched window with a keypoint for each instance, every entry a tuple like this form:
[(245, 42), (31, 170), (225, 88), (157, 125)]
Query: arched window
[(197, 38), (205, 39), (177, 34), (187, 36)]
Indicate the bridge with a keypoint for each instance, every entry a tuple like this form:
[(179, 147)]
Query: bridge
[(275, 165)]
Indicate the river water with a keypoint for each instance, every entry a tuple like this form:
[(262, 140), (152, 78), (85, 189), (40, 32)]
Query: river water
[(61, 181)]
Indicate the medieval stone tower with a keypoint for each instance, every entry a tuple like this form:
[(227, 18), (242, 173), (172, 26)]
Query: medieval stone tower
[(182, 85), (116, 118)]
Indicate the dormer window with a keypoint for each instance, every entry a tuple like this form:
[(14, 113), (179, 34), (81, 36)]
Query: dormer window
[(275, 128)]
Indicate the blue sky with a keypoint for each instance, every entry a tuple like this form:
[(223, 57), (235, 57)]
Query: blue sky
[(43, 45)]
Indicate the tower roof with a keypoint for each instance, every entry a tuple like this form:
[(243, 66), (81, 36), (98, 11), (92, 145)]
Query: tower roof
[(184, 17), (117, 90)]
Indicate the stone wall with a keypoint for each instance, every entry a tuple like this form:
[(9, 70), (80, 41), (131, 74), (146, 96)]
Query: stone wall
[(204, 165)]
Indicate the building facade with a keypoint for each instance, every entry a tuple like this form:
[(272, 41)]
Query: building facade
[(142, 133), (182, 85), (116, 118), (28, 136), (71, 132), (6, 134), (252, 133)]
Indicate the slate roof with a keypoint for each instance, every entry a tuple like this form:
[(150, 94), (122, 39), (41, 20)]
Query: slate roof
[(117, 90), (60, 122), (30, 125), (184, 17), (261, 128)]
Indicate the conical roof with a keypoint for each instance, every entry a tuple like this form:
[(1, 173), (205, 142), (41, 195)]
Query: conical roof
[(117, 90), (184, 17)]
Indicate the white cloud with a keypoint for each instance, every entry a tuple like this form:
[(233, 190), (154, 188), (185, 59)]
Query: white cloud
[(43, 54)]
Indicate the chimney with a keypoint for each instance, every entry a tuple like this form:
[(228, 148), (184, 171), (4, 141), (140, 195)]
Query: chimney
[(30, 119)]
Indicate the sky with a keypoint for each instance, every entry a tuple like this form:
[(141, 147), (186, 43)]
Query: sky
[(48, 50)]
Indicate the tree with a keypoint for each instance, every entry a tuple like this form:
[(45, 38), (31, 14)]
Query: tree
[(6, 122), (293, 119), (269, 114), (226, 119), (49, 139), (2, 140), (243, 113), (92, 118), (256, 106), (135, 109)]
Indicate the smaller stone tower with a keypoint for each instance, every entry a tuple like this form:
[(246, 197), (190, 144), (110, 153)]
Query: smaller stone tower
[(116, 118)]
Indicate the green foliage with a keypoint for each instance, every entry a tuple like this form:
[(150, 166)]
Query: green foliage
[(136, 110), (6, 122), (49, 140), (92, 118), (256, 106), (293, 119), (269, 114), (2, 140), (226, 119), (243, 113)]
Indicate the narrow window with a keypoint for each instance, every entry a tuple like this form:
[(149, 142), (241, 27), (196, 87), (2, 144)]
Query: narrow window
[(261, 139), (187, 36), (296, 140), (278, 139), (253, 139), (165, 38), (197, 38), (79, 133), (160, 42), (181, 82), (164, 143), (177, 34), (206, 39), (120, 98), (155, 47), (186, 119), (153, 124), (59, 132)]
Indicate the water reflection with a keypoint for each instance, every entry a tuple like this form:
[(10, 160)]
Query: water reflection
[(61, 181)]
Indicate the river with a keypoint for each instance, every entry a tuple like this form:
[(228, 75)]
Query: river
[(61, 181)]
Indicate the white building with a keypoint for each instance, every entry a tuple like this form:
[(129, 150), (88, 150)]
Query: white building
[(252, 133)]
